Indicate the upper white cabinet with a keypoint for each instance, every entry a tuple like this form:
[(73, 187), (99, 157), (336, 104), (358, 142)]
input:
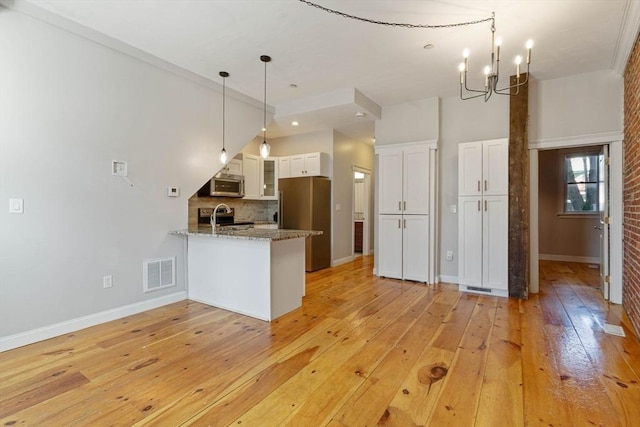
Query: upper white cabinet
[(483, 168), (404, 177), (309, 164), (260, 177), (251, 172), (233, 167), (284, 167)]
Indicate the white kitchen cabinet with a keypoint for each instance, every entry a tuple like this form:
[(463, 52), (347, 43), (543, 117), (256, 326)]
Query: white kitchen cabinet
[(404, 178), (233, 167), (483, 229), (269, 178), (407, 211), (483, 168), (284, 167), (390, 246), (309, 164), (260, 177), (405, 252), (251, 172)]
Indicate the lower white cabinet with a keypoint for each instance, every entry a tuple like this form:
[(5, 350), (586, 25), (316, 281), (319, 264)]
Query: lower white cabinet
[(483, 230), (404, 247)]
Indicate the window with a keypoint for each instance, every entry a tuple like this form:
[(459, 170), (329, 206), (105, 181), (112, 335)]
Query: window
[(583, 178)]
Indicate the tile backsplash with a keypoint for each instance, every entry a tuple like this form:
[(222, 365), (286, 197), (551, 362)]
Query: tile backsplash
[(245, 210)]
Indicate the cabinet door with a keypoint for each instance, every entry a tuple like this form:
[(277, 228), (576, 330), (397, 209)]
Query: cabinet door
[(494, 242), (470, 169), (269, 178), (297, 165), (390, 182), (284, 167), (390, 246), (415, 178), (312, 164), (495, 167), (251, 170), (415, 247), (234, 167), (470, 241)]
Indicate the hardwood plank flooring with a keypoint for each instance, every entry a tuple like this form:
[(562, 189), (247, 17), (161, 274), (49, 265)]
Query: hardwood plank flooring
[(361, 351)]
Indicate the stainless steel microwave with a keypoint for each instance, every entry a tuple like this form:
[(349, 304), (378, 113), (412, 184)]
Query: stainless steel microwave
[(227, 185)]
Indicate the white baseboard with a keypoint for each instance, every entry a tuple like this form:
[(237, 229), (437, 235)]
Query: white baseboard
[(448, 279), (46, 332), (569, 258), (341, 261)]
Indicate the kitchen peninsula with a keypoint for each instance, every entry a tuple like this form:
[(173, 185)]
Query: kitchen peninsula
[(256, 272)]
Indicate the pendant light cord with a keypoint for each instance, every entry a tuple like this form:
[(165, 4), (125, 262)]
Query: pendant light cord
[(224, 97), (264, 109)]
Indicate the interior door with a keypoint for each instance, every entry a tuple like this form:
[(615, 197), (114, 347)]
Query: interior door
[(603, 196)]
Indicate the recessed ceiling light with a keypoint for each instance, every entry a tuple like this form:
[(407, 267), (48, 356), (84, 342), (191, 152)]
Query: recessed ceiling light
[(429, 46), (294, 123), (360, 114)]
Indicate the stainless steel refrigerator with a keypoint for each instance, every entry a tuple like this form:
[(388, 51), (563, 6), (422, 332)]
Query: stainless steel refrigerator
[(305, 204)]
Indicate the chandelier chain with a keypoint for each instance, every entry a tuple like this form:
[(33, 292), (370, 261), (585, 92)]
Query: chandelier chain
[(396, 24)]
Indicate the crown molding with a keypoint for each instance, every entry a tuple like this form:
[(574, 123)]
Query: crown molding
[(627, 37)]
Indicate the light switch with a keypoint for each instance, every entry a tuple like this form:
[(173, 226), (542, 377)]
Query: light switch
[(173, 191), (453, 208), (16, 206), (338, 206)]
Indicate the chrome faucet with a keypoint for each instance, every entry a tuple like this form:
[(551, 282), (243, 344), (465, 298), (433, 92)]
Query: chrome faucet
[(227, 209)]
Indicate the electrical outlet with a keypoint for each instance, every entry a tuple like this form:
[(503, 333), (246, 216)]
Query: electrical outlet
[(107, 281), (449, 255)]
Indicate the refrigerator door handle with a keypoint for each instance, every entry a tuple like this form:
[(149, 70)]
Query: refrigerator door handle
[(280, 203)]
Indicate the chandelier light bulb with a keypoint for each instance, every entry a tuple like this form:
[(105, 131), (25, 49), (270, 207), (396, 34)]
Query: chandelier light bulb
[(499, 41), (461, 67), (529, 44), (518, 60), (465, 53), (487, 70)]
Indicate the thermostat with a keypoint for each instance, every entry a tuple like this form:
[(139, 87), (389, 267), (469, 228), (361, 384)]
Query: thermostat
[(173, 191)]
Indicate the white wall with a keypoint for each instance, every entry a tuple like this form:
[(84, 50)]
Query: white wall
[(320, 141), (70, 106), (462, 121), (582, 104), (413, 121)]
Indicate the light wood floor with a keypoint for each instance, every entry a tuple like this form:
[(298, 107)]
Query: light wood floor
[(361, 351)]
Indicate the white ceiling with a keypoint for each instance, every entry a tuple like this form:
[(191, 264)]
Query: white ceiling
[(337, 62)]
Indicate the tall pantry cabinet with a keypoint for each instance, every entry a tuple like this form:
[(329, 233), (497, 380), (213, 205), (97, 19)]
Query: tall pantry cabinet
[(483, 221), (407, 211)]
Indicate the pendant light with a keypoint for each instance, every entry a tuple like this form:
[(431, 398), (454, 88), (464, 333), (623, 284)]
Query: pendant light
[(264, 147), (223, 153)]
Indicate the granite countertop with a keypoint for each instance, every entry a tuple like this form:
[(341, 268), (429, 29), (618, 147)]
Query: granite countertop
[(247, 234)]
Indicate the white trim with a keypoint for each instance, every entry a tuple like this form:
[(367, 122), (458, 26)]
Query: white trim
[(534, 247), (616, 209), (337, 262), (46, 332), (627, 36), (616, 206), (432, 144), (570, 258), (448, 279), (576, 141), (73, 27)]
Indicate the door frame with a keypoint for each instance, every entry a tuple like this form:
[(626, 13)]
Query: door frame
[(614, 140), (367, 224)]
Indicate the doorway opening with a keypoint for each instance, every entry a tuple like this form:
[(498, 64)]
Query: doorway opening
[(361, 228), (599, 228)]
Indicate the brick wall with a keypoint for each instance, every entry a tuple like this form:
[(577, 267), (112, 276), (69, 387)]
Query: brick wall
[(631, 229)]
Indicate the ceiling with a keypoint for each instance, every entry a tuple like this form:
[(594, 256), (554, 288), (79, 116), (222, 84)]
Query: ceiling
[(341, 66)]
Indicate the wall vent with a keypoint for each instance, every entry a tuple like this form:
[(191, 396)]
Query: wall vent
[(159, 274)]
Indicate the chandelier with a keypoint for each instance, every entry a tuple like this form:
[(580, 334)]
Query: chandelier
[(492, 71)]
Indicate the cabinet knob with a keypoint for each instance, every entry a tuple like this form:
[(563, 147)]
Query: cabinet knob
[(478, 186), (399, 205), (485, 185), (399, 226), (479, 208)]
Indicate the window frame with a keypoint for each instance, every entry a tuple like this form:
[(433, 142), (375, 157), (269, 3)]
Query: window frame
[(565, 184)]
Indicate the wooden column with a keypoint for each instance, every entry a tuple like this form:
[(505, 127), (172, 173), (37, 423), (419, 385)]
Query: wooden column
[(519, 192)]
